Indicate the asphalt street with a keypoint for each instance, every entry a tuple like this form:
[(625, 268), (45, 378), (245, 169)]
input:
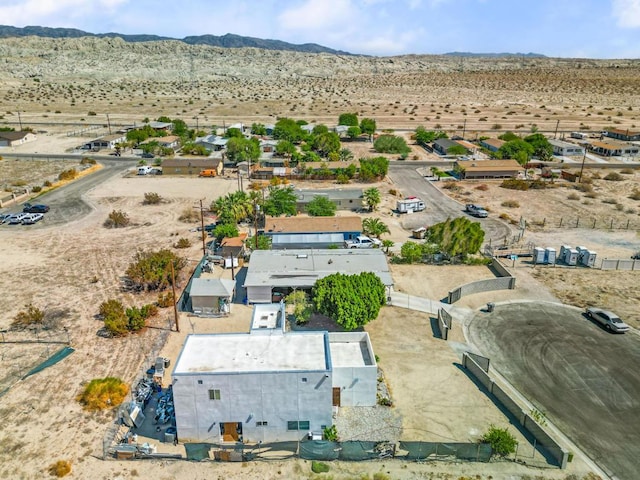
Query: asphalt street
[(439, 206), (67, 203), (586, 379)]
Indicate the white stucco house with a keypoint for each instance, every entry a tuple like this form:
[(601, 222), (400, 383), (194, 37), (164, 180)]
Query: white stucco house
[(563, 148), (268, 385)]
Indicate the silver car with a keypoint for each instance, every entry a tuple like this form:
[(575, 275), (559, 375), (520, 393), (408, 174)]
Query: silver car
[(609, 320)]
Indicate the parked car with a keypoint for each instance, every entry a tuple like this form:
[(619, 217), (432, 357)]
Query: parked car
[(476, 210), (4, 217), (635, 256), (16, 218), (609, 320), (147, 155), (38, 208), (32, 218)]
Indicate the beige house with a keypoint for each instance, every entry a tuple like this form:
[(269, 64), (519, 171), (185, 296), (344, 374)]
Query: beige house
[(190, 166), (490, 169), (13, 139)]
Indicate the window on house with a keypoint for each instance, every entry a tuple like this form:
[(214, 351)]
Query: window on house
[(214, 394), (304, 379), (262, 424), (199, 382), (301, 425)]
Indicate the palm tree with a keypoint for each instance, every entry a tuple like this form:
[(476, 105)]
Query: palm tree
[(372, 197), (386, 244), (345, 155), (374, 227)]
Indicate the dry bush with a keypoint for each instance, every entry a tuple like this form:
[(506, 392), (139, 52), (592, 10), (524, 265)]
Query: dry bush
[(394, 192), (102, 393), (117, 219), (635, 195), (627, 171), (504, 216), (189, 215), (152, 198), (573, 196), (510, 204), (182, 243), (60, 469), (482, 187), (595, 176), (614, 177), (591, 195), (69, 174), (611, 201), (165, 299), (29, 318)]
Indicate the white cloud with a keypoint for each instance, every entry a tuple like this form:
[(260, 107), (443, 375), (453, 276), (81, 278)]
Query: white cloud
[(53, 12), (318, 15), (627, 13)]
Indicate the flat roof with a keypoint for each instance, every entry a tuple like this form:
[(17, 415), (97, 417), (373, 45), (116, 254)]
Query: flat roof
[(302, 268), (246, 353), (304, 224), (493, 165), (212, 287), (267, 316), (494, 142), (562, 143), (351, 349)]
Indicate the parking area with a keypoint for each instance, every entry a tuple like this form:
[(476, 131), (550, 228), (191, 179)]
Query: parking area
[(586, 379)]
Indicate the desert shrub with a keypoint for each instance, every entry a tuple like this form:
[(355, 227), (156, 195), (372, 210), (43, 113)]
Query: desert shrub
[(483, 187), (19, 183), (452, 186), (102, 393), (60, 469), (152, 198), (189, 215), (115, 318), (380, 476), (36, 189), (583, 187), (151, 270), (69, 174), (165, 299), (47, 183), (117, 219), (595, 176), (319, 467), (87, 161), (626, 171), (611, 201), (504, 216), (510, 204), (182, 243), (502, 442), (30, 317), (515, 184), (394, 192), (614, 177), (619, 207), (573, 196), (91, 113), (137, 317), (342, 179), (635, 195), (330, 433)]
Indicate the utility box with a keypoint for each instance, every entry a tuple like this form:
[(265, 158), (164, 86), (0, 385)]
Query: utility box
[(550, 255), (571, 257), (587, 258), (563, 251), (538, 255)]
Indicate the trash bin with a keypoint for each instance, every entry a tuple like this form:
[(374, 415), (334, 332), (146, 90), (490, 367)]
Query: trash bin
[(167, 362), (490, 306)]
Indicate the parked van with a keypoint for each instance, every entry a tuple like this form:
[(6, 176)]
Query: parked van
[(208, 173), (144, 170)]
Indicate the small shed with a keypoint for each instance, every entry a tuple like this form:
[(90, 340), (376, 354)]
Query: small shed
[(211, 296), (419, 233)]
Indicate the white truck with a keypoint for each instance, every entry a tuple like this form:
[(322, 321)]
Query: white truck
[(363, 242), (410, 205), (144, 170)]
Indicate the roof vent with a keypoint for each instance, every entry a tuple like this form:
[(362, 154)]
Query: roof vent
[(302, 255)]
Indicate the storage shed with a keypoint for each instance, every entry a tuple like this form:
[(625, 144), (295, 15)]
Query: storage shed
[(211, 296)]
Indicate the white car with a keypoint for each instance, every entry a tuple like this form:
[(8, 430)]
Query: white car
[(32, 218), (607, 319), (16, 218)]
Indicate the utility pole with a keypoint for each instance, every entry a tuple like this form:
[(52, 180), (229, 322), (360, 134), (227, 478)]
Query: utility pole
[(19, 120), (582, 167), (233, 272), (556, 132), (109, 124), (256, 209), (175, 300), (464, 128), (204, 248)]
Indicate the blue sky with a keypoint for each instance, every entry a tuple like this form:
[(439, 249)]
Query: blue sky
[(557, 28)]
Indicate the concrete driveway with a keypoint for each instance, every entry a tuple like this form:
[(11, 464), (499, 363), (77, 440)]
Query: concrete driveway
[(439, 206), (586, 379)]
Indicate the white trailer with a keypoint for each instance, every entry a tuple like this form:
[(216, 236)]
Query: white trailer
[(410, 205)]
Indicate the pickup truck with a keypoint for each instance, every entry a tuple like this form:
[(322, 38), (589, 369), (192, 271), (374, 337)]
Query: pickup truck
[(476, 210), (363, 242)]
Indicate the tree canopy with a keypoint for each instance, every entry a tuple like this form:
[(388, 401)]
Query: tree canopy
[(372, 169), (325, 143), (372, 197), (151, 270), (233, 207), (424, 136), (391, 144), (517, 149), (240, 149), (349, 119), (368, 126), (321, 207), (541, 146), (374, 227), (351, 300), (288, 129), (458, 237), (281, 201)]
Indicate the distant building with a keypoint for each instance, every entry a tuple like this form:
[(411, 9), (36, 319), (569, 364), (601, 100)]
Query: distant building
[(476, 169), (268, 385), (625, 135), (190, 166), (442, 145), (233, 246), (492, 144), (170, 141), (212, 142), (344, 199), (211, 296), (566, 148), (13, 139), (614, 149), (108, 141)]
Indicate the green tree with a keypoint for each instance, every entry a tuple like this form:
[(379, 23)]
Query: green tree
[(326, 143), (351, 300), (345, 155), (233, 132), (225, 230), (456, 150), (372, 198), (508, 136), (150, 269), (516, 149), (258, 129), (391, 144), (372, 169), (264, 243), (387, 244), (301, 306), (285, 148), (374, 227), (457, 238), (353, 132), (424, 136), (502, 442), (240, 149), (233, 207), (411, 252), (368, 126), (281, 201), (320, 129), (288, 129), (114, 316), (321, 207), (541, 146), (349, 119)]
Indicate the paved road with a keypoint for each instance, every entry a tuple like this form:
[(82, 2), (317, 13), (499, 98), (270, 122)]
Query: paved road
[(586, 379), (67, 202), (439, 206)]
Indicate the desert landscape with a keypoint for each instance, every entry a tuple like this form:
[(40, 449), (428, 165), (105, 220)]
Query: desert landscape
[(57, 86)]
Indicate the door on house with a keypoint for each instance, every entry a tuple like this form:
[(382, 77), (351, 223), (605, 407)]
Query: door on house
[(336, 396), (231, 431)]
